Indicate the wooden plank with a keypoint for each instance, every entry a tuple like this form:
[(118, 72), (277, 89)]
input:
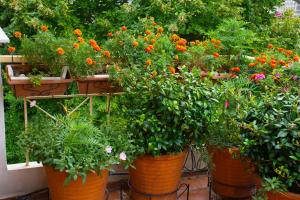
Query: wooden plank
[(12, 59)]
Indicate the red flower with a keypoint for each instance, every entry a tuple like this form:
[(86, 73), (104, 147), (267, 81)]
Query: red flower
[(11, 49), (110, 34), (123, 28), (296, 58), (252, 64), (216, 55), (270, 46), (235, 69)]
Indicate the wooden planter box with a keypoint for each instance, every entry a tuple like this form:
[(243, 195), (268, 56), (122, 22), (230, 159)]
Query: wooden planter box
[(96, 84), (23, 87)]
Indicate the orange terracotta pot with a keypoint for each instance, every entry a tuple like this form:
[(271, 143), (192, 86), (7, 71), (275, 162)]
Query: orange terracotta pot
[(93, 189), (231, 177), (156, 176), (283, 196)]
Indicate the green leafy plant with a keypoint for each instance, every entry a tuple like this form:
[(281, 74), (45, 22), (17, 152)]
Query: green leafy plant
[(74, 145)]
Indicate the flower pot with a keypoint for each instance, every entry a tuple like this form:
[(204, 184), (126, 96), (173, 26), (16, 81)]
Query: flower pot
[(96, 84), (23, 87), (283, 196), (93, 189), (157, 176), (231, 177)]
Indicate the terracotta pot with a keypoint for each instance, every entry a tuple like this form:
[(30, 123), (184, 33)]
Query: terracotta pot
[(96, 84), (156, 176), (93, 189), (283, 196), (231, 177), (23, 87)]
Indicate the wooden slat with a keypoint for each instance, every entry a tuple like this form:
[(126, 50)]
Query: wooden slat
[(12, 59)]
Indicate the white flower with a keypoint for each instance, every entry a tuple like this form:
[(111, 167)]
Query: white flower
[(108, 149), (122, 156), (32, 104)]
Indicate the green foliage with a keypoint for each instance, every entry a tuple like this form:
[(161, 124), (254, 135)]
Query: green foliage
[(74, 145), (271, 137), (166, 113)]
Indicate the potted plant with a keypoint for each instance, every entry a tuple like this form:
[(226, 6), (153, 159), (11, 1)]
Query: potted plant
[(232, 176), (88, 64), (45, 73), (271, 140), (76, 155)]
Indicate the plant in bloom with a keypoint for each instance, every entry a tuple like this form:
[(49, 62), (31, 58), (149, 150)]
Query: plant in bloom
[(76, 45), (122, 156), (216, 55), (259, 76), (60, 51), (11, 49), (44, 28), (77, 32), (123, 28), (89, 61), (108, 149), (106, 53), (18, 34), (110, 34)]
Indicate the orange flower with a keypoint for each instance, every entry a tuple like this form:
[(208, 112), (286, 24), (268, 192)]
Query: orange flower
[(213, 41), (182, 42), (157, 35), (252, 64), (154, 23), (146, 39), (93, 43), (123, 28), (235, 69), (273, 65), (216, 55), (110, 34), (192, 43), (181, 48), (106, 53), (172, 70), (216, 46), (160, 29), (44, 28), (11, 49), (296, 58), (280, 49), (218, 42), (80, 39), (281, 62), (60, 51), (77, 32), (198, 42), (148, 62), (175, 37), (89, 61), (151, 47), (135, 44), (289, 52), (18, 34), (76, 45), (270, 46), (148, 50), (97, 48), (153, 41), (148, 32)]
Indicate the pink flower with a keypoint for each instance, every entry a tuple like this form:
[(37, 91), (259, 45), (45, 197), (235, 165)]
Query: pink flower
[(108, 149), (122, 156), (259, 76), (226, 104), (32, 104), (278, 14)]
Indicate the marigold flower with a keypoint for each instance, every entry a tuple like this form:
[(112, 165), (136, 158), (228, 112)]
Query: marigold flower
[(146, 39), (252, 64), (151, 47), (11, 49), (76, 45), (262, 60), (280, 49), (281, 62), (296, 58), (218, 42), (92, 42), (89, 61), (44, 28), (270, 46), (148, 32), (157, 35), (148, 62), (123, 28), (97, 48), (273, 65), (192, 43), (80, 39), (289, 52), (106, 53), (160, 29), (77, 32), (110, 34), (135, 44), (154, 23), (216, 46), (18, 34), (60, 51), (235, 69), (182, 42), (153, 41), (175, 37), (213, 40), (181, 48), (216, 55), (148, 50), (198, 42), (172, 70)]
